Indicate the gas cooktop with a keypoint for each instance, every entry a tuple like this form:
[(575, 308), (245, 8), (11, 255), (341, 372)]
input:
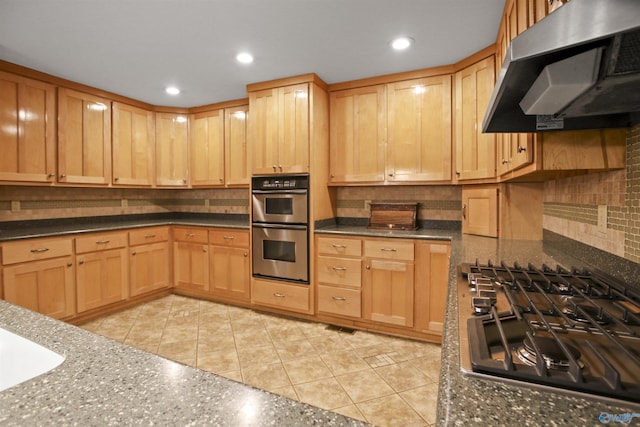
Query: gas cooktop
[(576, 331)]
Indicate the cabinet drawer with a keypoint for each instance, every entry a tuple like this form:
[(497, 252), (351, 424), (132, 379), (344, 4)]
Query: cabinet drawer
[(195, 235), (288, 297), (333, 246), (343, 302), (35, 249), (340, 271), (100, 242), (389, 249), (226, 237), (148, 235)]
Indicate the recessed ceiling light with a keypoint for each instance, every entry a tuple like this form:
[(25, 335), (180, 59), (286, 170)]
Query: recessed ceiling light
[(172, 90), (401, 43), (244, 58)]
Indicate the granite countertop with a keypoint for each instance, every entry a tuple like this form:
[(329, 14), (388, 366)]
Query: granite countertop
[(103, 382)]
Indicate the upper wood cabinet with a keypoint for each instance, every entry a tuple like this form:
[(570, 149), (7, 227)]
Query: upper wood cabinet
[(84, 138), (236, 170), (206, 143), (419, 130), (279, 129), (475, 151), (357, 136), (172, 155), (27, 129), (133, 144)]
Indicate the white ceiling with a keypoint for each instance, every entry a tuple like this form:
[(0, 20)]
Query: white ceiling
[(136, 48)]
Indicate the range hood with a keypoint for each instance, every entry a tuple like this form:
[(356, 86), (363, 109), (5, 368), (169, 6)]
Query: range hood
[(578, 68)]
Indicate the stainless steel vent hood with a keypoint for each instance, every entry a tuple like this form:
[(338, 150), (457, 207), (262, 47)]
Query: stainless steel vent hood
[(578, 68)]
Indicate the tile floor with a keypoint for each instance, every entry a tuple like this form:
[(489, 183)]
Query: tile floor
[(384, 380)]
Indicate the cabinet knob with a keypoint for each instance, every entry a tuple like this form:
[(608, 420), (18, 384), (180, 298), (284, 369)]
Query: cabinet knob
[(521, 149), (505, 161), (184, 181), (275, 168), (116, 178), (133, 253), (204, 250), (368, 267), (69, 264), (246, 254), (458, 173), (221, 180), (280, 167), (81, 262), (51, 175), (63, 175)]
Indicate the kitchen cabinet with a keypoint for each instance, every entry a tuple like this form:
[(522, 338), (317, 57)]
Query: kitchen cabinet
[(480, 210), (149, 260), (357, 141), (191, 258), (432, 278), (133, 144), (27, 130), (475, 151), (84, 138), (282, 296), (279, 129), (38, 274), (102, 272), (206, 142), (172, 148), (339, 276), (419, 130), (388, 281), (236, 170), (230, 264)]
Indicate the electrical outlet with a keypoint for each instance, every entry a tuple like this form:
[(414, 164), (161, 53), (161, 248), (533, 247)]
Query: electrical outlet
[(124, 203), (602, 218), (15, 205)]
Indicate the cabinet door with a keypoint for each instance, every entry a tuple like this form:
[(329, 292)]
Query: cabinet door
[(44, 286), (236, 169), (357, 138), (84, 138), (388, 291), (149, 268), (293, 147), (480, 211), (27, 130), (263, 131), (419, 130), (133, 145), (102, 278), (475, 151), (191, 266), (432, 278), (171, 150), (230, 272), (206, 142)]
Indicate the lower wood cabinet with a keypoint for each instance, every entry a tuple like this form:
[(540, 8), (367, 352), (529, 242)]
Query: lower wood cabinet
[(285, 296), (191, 258), (149, 260), (230, 264)]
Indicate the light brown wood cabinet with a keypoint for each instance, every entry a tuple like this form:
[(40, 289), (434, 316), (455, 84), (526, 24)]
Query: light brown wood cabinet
[(475, 151), (282, 296), (480, 210), (432, 277), (206, 134), (39, 274), (149, 260), (133, 145), (191, 258), (172, 150), (236, 170), (84, 138), (102, 273), (230, 274), (279, 129), (27, 130)]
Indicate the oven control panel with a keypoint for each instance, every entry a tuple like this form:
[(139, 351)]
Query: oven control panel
[(280, 182)]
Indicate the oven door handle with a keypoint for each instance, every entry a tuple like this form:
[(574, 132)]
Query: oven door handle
[(279, 191), (280, 226)]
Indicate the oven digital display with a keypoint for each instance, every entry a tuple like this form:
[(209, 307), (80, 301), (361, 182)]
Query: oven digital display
[(279, 205), (278, 250)]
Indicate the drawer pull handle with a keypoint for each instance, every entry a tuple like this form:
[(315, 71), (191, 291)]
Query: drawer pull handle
[(38, 250), (340, 268), (149, 236), (189, 234), (81, 262), (278, 295), (246, 254), (102, 242), (388, 250), (229, 237), (133, 253), (338, 298), (339, 246)]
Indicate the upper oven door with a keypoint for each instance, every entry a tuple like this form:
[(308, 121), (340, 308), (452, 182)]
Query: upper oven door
[(280, 206)]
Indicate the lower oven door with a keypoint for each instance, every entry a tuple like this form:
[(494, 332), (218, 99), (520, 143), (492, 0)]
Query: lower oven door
[(281, 251)]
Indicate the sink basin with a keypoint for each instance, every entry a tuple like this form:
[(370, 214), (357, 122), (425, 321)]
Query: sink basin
[(21, 359)]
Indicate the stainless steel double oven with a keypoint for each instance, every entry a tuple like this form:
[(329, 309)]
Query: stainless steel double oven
[(280, 227)]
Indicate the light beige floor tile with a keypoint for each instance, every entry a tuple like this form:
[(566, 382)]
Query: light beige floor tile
[(364, 385), (179, 334), (350, 411), (344, 362), (232, 375), (266, 377), (211, 331), (286, 333), (428, 365), (92, 325), (213, 317), (390, 411), (424, 400), (143, 337), (373, 350), (218, 361), (312, 330), (257, 356), (116, 331), (363, 339), (306, 369), (181, 351), (294, 349), (329, 344), (244, 324), (326, 393), (220, 343), (287, 391), (252, 337), (402, 376)]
